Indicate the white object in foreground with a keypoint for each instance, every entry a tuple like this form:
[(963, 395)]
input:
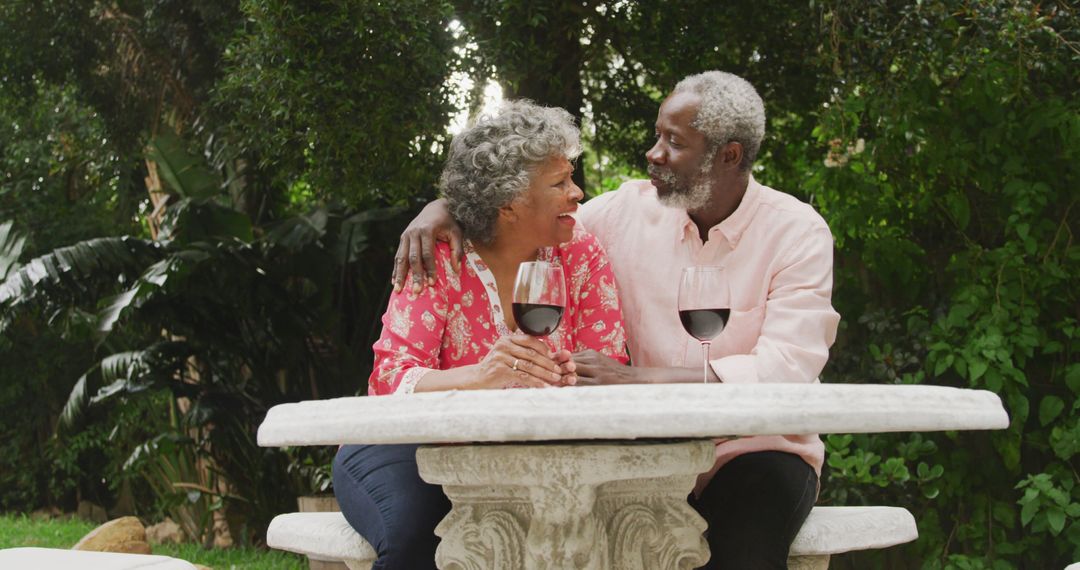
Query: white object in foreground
[(834, 530), (321, 536), (631, 412), (57, 559)]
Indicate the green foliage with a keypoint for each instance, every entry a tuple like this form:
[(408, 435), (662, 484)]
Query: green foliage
[(348, 97), (61, 178), (313, 470), (1045, 506), (185, 174), (175, 467), (61, 181), (254, 317), (955, 231)]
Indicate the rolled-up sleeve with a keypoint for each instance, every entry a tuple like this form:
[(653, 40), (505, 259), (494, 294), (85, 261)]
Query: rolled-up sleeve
[(799, 324)]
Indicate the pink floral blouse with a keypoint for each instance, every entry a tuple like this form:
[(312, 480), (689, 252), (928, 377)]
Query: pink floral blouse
[(456, 321)]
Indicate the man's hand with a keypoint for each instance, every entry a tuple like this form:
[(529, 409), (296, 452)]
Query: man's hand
[(594, 369), (416, 248), (567, 366)]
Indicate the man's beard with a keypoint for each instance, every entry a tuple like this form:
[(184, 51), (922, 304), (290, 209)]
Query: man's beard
[(692, 195)]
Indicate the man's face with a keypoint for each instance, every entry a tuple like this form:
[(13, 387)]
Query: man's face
[(680, 162)]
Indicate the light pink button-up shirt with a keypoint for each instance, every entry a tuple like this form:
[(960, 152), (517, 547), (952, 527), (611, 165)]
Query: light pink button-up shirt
[(778, 254)]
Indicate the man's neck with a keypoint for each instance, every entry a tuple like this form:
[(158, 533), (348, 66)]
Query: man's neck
[(727, 194)]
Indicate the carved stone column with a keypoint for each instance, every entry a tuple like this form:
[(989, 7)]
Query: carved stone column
[(582, 505)]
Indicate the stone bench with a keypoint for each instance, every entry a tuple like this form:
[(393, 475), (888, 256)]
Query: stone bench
[(87, 560), (827, 531)]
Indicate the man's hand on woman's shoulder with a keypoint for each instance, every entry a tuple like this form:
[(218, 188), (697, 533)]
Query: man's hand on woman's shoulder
[(416, 248)]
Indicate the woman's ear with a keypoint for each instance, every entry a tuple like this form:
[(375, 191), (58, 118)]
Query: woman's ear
[(509, 213), (513, 211)]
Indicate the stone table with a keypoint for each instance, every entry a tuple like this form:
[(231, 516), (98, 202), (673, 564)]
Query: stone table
[(597, 477)]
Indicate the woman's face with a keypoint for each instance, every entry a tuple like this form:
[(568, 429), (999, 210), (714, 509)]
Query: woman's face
[(543, 211)]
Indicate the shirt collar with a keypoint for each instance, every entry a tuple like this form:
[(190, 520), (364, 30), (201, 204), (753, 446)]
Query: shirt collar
[(733, 227)]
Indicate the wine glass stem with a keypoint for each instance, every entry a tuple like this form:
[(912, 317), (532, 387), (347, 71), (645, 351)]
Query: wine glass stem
[(705, 370)]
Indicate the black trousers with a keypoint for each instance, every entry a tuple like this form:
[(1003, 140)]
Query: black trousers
[(754, 506)]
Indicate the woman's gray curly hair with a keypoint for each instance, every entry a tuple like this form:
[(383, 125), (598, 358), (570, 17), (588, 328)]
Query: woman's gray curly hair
[(492, 160), (731, 111)]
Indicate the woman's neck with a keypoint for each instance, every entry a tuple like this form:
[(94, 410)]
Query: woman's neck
[(502, 256), (503, 259)]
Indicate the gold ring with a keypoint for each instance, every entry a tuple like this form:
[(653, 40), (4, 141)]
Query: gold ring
[(514, 367)]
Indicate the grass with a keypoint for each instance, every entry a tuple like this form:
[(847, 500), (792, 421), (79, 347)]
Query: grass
[(20, 530)]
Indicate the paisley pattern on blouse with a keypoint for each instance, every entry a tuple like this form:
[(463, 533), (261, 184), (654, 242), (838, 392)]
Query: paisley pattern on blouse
[(449, 324)]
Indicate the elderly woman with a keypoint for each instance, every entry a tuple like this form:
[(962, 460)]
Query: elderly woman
[(507, 184)]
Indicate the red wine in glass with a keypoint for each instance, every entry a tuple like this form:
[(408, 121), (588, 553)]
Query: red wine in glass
[(704, 306), (704, 324), (539, 297), (537, 319)]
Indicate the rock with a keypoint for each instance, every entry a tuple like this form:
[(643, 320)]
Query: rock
[(88, 511), (125, 535), (164, 532), (45, 514)]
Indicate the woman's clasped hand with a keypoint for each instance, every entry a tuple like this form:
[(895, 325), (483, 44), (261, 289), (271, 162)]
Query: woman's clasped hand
[(522, 361)]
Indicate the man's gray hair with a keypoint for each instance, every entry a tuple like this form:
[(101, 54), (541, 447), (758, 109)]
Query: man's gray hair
[(731, 111), (492, 160)]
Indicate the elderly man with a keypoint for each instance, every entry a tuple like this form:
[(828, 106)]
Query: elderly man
[(702, 206)]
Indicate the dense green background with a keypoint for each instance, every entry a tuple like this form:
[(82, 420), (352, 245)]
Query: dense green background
[(939, 139)]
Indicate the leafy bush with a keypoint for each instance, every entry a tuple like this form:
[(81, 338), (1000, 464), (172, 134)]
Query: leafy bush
[(948, 177), (225, 316), (348, 97)]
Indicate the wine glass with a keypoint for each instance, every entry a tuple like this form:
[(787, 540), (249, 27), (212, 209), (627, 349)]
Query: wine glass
[(539, 297), (704, 305)]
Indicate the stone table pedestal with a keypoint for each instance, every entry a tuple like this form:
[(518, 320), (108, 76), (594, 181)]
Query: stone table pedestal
[(579, 505)]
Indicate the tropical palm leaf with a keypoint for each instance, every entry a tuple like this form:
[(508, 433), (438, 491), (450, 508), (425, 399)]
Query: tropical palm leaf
[(189, 221), (184, 172), (294, 233), (353, 237), (69, 271), (12, 242), (129, 372)]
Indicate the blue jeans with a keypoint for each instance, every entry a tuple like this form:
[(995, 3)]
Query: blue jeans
[(385, 500)]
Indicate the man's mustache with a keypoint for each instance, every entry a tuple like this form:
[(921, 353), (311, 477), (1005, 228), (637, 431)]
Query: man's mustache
[(663, 174)]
